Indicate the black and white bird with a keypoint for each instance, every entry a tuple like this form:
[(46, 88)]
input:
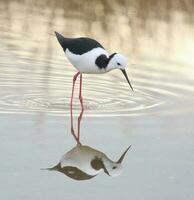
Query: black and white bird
[(90, 57), (83, 162)]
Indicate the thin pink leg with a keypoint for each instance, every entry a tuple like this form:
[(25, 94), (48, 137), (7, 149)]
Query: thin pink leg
[(82, 107), (71, 107)]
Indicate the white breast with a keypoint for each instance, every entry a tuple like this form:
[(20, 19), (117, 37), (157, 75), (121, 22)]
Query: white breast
[(85, 63)]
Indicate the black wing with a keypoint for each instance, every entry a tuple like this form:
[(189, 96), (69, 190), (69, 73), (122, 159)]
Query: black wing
[(75, 173), (78, 46), (72, 172)]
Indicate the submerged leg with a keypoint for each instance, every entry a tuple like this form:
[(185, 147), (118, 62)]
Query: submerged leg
[(71, 107), (82, 107)]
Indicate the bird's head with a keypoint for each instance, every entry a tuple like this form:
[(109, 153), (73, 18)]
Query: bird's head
[(118, 61), (115, 168)]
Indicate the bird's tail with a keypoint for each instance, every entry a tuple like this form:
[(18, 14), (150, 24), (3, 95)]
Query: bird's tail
[(62, 40), (55, 168)]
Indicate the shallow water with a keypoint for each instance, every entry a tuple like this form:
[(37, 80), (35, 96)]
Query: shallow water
[(157, 118)]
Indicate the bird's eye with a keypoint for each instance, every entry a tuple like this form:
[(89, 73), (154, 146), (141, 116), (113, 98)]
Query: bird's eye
[(118, 64), (114, 167)]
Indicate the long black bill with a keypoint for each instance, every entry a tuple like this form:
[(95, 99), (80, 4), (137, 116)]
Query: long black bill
[(125, 74), (123, 155)]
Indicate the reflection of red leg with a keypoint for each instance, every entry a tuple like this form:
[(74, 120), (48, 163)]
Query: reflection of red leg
[(82, 107), (71, 107)]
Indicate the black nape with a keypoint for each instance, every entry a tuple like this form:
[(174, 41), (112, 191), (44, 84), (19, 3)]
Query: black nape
[(102, 61), (111, 56)]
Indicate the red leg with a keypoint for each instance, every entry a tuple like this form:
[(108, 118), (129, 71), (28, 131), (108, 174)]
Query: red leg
[(82, 107), (71, 107)]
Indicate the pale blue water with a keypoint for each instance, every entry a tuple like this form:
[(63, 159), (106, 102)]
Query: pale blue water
[(159, 164), (156, 119)]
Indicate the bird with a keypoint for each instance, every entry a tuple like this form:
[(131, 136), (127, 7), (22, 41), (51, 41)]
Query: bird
[(83, 162), (88, 56)]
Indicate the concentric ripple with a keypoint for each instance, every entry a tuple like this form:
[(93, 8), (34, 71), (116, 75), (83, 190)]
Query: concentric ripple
[(32, 90)]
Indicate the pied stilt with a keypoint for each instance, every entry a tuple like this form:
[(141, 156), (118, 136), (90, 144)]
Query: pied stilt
[(89, 56)]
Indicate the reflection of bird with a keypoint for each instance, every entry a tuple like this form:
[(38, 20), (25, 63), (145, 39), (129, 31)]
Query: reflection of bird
[(83, 162), (89, 56)]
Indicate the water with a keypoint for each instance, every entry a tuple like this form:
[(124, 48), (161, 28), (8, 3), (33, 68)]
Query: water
[(157, 118)]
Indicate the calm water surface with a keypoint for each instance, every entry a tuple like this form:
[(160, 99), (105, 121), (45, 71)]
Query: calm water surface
[(157, 118)]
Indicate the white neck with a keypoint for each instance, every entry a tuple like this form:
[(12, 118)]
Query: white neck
[(110, 65)]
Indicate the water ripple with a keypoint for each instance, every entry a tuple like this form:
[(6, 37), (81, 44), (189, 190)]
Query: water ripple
[(27, 91)]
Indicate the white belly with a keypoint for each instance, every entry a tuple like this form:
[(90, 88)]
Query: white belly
[(85, 63), (81, 157)]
